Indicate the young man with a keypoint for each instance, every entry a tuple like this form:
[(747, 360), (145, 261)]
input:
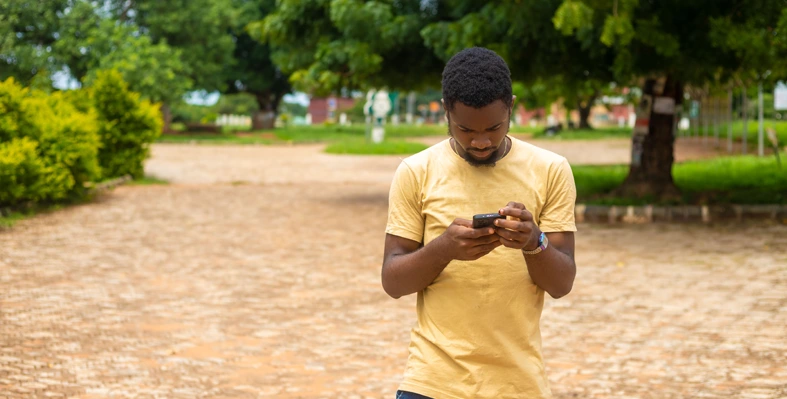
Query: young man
[(480, 291)]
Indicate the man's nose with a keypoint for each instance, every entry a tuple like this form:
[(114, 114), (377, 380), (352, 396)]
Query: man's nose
[(481, 143)]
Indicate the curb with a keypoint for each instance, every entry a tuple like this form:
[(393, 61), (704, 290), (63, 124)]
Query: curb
[(679, 213)]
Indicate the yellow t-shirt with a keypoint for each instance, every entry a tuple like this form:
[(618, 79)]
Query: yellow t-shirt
[(478, 332)]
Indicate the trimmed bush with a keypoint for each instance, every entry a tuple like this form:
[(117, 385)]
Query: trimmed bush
[(127, 125), (48, 149)]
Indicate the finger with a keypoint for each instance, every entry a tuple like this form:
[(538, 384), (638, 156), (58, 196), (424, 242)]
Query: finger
[(463, 222), (515, 205), (513, 235), (521, 214), (476, 233), (486, 249), (484, 240), (515, 225), (510, 243)]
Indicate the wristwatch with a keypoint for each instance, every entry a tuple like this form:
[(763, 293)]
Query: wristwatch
[(543, 243)]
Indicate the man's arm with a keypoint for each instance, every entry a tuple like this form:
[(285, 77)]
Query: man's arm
[(409, 268), (552, 269)]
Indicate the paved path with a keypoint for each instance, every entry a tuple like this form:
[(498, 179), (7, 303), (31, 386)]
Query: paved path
[(257, 275)]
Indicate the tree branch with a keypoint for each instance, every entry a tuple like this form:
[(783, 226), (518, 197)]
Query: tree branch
[(124, 14)]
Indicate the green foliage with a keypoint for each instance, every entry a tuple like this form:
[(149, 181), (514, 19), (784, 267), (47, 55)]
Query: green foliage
[(127, 125), (22, 172), (26, 36), (48, 149), (617, 29), (236, 104), (695, 42), (572, 16), (200, 29), (326, 46)]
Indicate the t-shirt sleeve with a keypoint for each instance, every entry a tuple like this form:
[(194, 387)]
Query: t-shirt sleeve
[(405, 218), (558, 212)]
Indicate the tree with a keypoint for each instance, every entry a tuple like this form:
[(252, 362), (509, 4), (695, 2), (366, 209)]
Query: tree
[(27, 31), (253, 71), (345, 45), (198, 31), (80, 36), (666, 45), (89, 41), (537, 53)]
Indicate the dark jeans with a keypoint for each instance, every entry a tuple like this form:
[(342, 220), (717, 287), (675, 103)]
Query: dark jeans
[(409, 395)]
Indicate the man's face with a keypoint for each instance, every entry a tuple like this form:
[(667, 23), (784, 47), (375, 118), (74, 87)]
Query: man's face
[(479, 132)]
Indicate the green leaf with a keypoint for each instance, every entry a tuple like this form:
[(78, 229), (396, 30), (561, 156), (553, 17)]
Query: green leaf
[(572, 15), (617, 30)]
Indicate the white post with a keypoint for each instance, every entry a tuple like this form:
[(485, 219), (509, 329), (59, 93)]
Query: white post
[(760, 134), (745, 136), (729, 121)]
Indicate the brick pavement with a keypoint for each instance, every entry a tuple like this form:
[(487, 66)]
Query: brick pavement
[(209, 289)]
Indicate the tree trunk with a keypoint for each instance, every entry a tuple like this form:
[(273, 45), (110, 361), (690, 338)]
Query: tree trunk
[(166, 115), (653, 144), (584, 111), (265, 118)]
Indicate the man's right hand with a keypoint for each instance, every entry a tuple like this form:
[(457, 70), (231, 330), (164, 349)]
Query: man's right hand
[(463, 242)]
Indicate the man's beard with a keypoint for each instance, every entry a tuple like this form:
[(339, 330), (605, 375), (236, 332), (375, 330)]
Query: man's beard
[(489, 162)]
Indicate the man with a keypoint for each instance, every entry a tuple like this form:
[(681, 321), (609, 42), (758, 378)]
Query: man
[(480, 291)]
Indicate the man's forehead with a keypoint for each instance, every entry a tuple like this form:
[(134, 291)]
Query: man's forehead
[(495, 112)]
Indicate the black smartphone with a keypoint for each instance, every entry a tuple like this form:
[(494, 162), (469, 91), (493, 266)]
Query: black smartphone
[(485, 219)]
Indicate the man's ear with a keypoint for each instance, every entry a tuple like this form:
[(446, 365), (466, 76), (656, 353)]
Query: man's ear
[(445, 109)]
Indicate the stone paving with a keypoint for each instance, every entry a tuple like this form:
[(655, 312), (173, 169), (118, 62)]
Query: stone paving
[(257, 276)]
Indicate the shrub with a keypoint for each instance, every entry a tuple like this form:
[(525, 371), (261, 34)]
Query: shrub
[(127, 125), (48, 149), (22, 172)]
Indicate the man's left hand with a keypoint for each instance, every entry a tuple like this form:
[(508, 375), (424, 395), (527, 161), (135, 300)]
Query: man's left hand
[(520, 232)]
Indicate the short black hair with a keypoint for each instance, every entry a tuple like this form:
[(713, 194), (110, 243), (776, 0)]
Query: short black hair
[(476, 77)]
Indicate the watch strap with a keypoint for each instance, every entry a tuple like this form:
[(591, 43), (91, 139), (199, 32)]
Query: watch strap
[(543, 243)]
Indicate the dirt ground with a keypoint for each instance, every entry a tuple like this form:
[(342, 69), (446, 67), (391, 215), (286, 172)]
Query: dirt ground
[(256, 273)]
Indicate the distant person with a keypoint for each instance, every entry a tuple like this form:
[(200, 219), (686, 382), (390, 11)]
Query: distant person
[(480, 291)]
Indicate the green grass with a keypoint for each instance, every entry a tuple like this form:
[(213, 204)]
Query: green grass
[(729, 180), (362, 147), (322, 133), (207, 138), (780, 127), (302, 134), (147, 181), (8, 221), (586, 134)]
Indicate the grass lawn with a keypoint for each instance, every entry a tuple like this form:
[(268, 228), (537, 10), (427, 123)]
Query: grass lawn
[(8, 221), (728, 180), (780, 127), (587, 134), (363, 147), (147, 181), (224, 138)]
